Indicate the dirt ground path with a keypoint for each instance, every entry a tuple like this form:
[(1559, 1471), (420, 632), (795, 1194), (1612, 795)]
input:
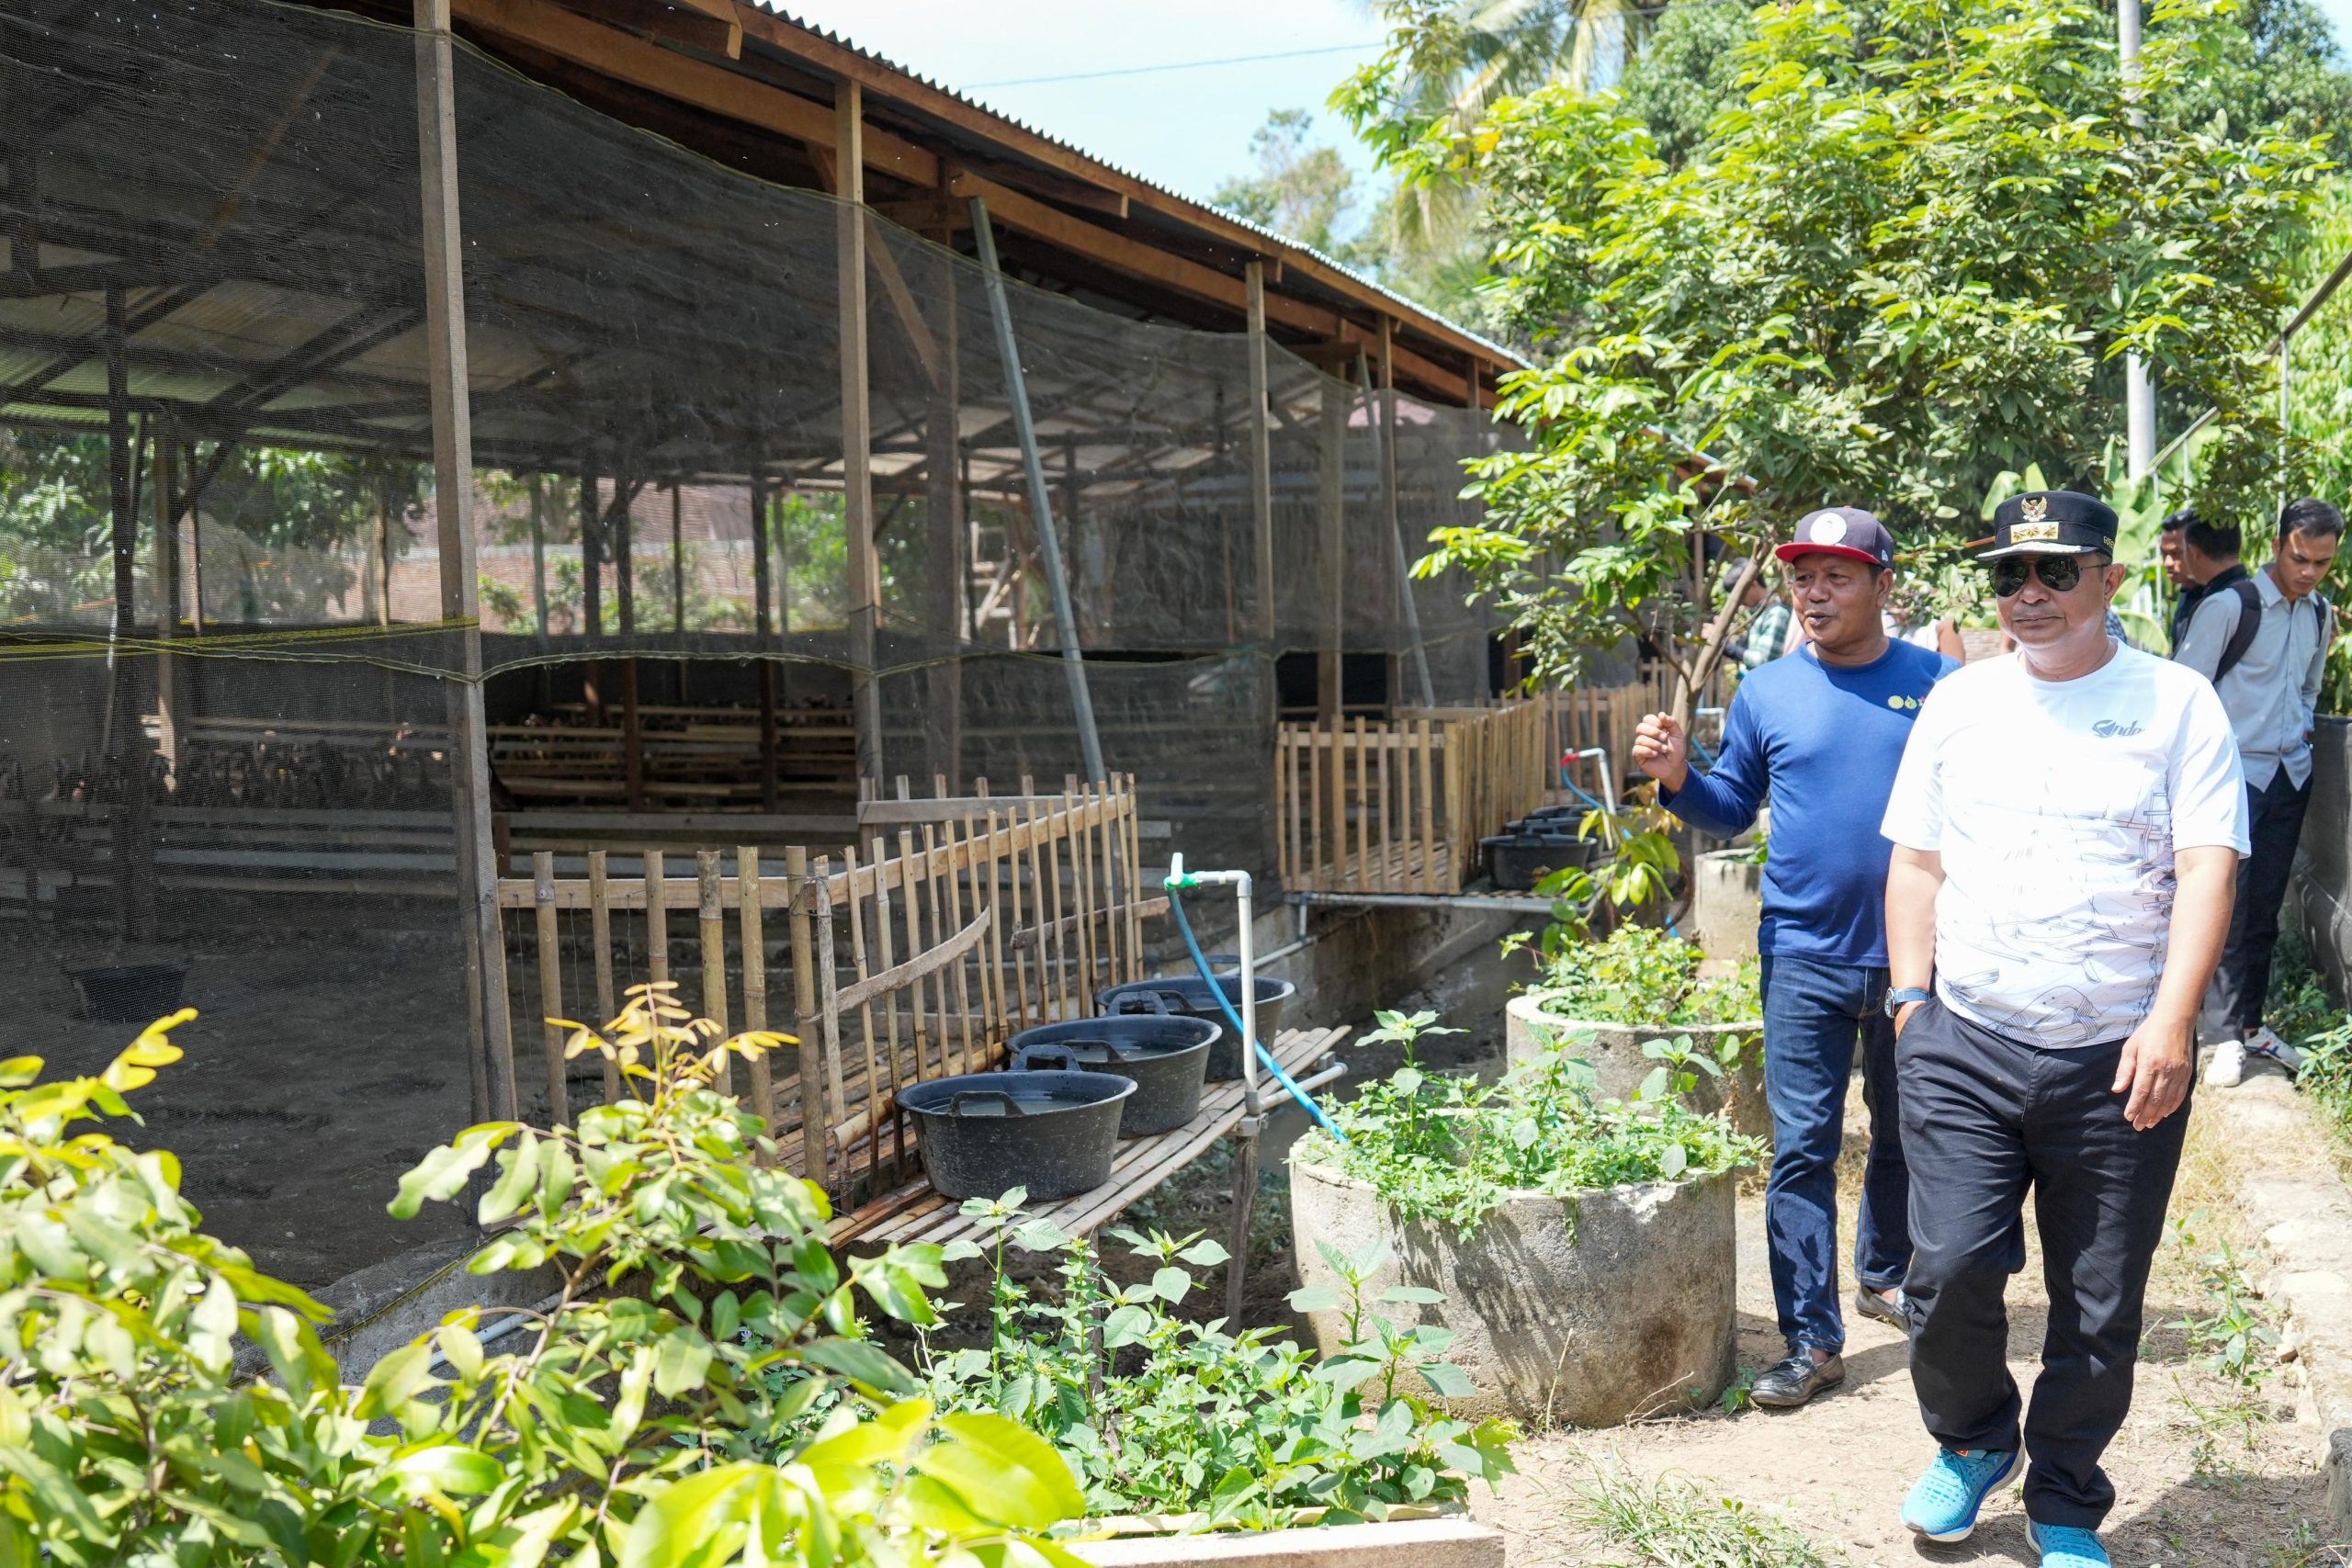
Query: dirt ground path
[(2207, 1476)]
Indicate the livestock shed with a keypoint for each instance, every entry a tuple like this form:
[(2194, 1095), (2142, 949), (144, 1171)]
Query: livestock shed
[(453, 458)]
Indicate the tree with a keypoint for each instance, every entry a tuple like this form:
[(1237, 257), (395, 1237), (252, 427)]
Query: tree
[(1302, 192), (2278, 68), (1902, 266), (1447, 62)]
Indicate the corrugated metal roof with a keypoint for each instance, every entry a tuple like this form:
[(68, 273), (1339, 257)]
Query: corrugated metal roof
[(1414, 307)]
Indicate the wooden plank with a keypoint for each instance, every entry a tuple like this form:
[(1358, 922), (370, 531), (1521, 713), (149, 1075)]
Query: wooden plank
[(657, 920), (714, 958), (862, 965), (749, 936), (1380, 789), (1313, 874), (600, 930), (930, 961), (804, 1012), (550, 988), (1059, 933)]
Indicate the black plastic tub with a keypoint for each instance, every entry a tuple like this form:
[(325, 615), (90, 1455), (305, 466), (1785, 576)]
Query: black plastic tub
[(984, 1134), (1188, 996), (129, 993), (1167, 1057), (1519, 860)]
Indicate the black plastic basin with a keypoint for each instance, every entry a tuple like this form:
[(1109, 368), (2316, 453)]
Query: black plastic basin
[(1167, 1056), (129, 993), (1519, 860), (1188, 996), (984, 1134)]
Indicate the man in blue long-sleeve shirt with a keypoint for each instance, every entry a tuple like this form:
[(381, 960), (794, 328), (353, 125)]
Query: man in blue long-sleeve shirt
[(1821, 732)]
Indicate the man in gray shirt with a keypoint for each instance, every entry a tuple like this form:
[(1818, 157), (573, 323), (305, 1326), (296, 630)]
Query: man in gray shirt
[(2262, 640)]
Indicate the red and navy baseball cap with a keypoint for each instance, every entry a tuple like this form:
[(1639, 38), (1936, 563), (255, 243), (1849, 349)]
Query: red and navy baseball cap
[(1846, 531)]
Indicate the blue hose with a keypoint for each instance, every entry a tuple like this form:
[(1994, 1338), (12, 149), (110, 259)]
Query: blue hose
[(1225, 1004)]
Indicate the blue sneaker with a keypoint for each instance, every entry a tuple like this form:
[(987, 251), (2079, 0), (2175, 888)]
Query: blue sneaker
[(2066, 1545), (1943, 1502)]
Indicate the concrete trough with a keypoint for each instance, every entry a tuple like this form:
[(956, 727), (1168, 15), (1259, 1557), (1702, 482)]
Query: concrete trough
[(1586, 1311), (1614, 1050)]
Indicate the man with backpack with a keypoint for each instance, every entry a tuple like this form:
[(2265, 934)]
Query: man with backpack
[(2199, 557), (2262, 639)]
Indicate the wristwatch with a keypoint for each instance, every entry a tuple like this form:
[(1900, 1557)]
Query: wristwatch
[(1901, 996)]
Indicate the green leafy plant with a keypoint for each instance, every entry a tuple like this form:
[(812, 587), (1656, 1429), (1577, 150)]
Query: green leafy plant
[(1640, 975), (623, 1422), (2232, 1332), (1638, 864), (1913, 253), (1162, 1414), (1449, 1148)]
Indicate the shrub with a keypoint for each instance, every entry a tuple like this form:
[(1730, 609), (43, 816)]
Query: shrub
[(623, 1424), (1644, 976), (1450, 1148), (1162, 1414)]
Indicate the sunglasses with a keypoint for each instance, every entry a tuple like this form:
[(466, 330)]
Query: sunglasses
[(2058, 573)]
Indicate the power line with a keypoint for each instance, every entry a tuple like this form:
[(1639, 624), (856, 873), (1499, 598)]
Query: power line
[(1178, 65)]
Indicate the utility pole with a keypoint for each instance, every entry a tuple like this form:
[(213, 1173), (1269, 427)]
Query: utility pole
[(2139, 394)]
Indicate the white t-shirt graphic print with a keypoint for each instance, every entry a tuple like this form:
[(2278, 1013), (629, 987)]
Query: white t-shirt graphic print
[(2056, 807)]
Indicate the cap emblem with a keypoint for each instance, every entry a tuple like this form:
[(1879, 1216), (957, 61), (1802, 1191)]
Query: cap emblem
[(2034, 508), (1829, 528)]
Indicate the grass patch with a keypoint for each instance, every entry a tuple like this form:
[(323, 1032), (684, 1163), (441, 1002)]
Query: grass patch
[(1671, 1523)]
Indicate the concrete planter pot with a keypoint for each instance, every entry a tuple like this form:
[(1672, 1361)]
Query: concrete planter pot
[(1726, 902), (1586, 1311), (1615, 1053)]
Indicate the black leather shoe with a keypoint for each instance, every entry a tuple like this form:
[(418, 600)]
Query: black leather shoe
[(1870, 1303), (1789, 1383)]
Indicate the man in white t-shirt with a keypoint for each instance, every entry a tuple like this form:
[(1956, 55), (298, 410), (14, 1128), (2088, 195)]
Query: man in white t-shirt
[(2067, 823)]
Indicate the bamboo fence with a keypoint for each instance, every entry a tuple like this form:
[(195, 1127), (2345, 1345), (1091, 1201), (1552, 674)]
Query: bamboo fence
[(913, 957)]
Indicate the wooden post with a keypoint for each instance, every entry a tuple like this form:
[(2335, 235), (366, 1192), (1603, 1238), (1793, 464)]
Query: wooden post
[(857, 458), (600, 939), (551, 984), (135, 836), (713, 910), (167, 597), (751, 938), (539, 561), (1332, 470), (678, 581), (804, 1013), (1408, 609), (759, 626), (591, 556), (485, 955), (1261, 458), (949, 569)]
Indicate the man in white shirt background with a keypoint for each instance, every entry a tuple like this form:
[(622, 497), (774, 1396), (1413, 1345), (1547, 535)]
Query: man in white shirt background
[(2262, 640), (2067, 822)]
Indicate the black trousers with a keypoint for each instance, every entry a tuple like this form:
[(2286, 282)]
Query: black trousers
[(1985, 1119), (2275, 823)]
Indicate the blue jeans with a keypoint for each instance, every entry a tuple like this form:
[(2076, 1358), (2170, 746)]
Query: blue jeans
[(1813, 1016)]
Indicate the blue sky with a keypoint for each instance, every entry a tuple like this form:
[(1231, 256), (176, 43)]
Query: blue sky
[(1189, 128)]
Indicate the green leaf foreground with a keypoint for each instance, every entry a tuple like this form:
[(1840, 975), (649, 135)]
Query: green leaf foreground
[(701, 1393)]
